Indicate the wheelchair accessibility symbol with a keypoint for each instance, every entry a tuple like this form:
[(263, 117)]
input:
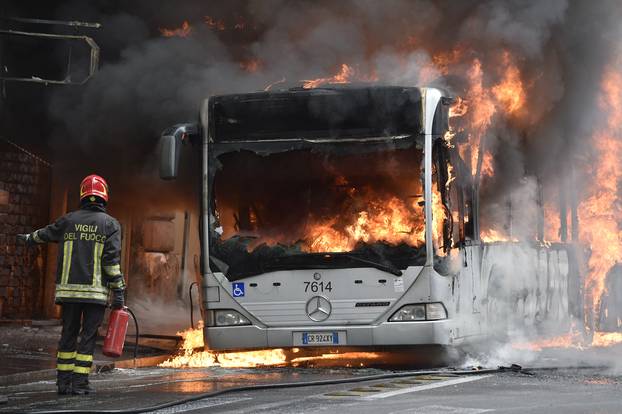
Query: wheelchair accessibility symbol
[(238, 289)]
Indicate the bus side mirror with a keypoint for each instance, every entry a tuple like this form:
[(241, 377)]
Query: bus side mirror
[(170, 148)]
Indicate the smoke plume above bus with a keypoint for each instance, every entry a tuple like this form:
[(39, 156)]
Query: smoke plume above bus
[(538, 115)]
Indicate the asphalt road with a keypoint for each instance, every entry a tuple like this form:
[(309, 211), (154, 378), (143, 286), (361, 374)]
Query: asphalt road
[(568, 390)]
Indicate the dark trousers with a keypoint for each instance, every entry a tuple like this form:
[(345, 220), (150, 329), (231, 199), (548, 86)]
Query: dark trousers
[(76, 358)]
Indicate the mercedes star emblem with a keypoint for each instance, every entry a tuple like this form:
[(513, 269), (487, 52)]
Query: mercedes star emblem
[(318, 308)]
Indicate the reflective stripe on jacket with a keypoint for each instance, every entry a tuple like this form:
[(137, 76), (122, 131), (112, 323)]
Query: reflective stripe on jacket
[(88, 256)]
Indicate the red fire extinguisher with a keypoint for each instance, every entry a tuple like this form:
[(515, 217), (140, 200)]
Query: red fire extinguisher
[(115, 337)]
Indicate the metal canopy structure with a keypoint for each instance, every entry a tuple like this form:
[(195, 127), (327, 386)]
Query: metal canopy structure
[(94, 49)]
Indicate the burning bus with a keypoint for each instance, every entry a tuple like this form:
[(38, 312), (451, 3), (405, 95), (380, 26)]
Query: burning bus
[(344, 216)]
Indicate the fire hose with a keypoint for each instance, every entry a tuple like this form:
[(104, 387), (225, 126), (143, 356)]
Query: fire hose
[(300, 384), (136, 334)]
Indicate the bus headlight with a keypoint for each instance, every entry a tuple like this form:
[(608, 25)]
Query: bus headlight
[(420, 312), (409, 313), (435, 311), (228, 317)]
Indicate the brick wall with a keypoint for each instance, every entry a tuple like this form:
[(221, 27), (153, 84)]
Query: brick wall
[(24, 207)]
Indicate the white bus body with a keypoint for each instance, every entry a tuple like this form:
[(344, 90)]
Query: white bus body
[(445, 299)]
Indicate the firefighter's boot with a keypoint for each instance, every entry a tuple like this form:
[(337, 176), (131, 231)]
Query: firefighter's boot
[(80, 385), (64, 386)]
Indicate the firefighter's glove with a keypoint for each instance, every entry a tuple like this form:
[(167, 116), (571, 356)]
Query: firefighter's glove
[(118, 300), (26, 238)]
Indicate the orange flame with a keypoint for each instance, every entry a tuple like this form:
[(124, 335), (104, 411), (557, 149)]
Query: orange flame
[(488, 168), (573, 339), (485, 99), (604, 339), (444, 60), (267, 88), (481, 102), (492, 235), (551, 223), (438, 219), (182, 31), (510, 92), (190, 358), (351, 359), (459, 108), (392, 221), (344, 75), (479, 109), (600, 214), (251, 65), (214, 24)]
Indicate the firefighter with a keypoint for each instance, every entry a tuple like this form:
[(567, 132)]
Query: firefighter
[(88, 269)]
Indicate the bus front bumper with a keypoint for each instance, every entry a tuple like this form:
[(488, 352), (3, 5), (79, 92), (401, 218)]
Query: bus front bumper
[(385, 334)]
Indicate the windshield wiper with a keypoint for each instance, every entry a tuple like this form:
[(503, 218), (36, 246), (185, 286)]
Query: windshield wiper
[(380, 266), (296, 261), (220, 265)]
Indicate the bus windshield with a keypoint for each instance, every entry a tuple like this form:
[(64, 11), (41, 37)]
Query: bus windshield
[(345, 205)]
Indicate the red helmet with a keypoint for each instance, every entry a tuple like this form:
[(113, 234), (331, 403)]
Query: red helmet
[(94, 185)]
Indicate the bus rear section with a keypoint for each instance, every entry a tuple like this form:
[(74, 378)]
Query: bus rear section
[(315, 219)]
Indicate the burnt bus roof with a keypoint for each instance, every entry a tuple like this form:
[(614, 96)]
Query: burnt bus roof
[(330, 112)]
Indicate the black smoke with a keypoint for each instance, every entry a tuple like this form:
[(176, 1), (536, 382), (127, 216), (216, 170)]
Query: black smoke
[(147, 82)]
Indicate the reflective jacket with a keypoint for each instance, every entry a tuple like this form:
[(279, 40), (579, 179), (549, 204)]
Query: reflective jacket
[(88, 256)]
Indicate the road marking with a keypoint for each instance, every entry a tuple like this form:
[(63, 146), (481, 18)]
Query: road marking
[(200, 405), (442, 409), (425, 387)]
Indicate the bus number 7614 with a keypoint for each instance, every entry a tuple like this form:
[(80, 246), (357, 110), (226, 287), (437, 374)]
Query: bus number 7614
[(318, 287)]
